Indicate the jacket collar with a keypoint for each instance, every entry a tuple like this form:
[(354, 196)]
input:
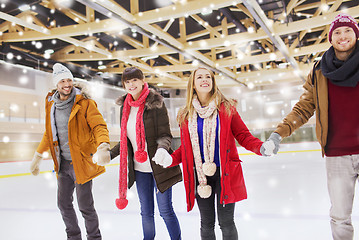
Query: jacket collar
[(81, 93)]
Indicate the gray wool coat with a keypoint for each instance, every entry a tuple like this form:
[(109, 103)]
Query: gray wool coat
[(158, 135)]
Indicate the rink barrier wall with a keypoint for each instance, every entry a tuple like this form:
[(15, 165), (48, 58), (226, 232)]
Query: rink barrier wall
[(116, 164)]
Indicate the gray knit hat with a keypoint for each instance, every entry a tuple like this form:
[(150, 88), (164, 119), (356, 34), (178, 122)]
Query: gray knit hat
[(60, 72)]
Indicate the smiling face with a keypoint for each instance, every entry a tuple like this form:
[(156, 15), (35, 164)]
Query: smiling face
[(343, 41), (203, 82), (134, 87), (64, 87)]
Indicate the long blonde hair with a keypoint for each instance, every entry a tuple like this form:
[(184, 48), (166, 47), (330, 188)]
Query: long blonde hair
[(187, 111)]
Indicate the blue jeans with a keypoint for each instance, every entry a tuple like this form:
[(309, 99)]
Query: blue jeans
[(146, 186)]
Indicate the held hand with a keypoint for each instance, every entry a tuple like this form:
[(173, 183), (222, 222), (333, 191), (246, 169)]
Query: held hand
[(162, 158), (271, 146), (102, 155), (35, 163), (267, 148)]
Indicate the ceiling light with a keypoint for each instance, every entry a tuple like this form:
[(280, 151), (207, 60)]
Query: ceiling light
[(240, 56), (49, 51), (195, 62), (10, 56), (38, 45), (102, 67), (272, 56), (206, 11), (325, 7), (64, 3), (6, 139), (24, 7)]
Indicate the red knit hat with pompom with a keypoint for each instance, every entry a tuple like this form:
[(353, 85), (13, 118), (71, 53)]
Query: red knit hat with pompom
[(342, 20)]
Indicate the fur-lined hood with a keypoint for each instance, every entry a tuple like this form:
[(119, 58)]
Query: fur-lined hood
[(80, 88), (153, 100)]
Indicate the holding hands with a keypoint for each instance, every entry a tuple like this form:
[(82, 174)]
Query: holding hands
[(102, 155), (271, 145), (162, 158)]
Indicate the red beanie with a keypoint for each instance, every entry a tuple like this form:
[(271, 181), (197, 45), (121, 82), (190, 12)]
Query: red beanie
[(342, 20)]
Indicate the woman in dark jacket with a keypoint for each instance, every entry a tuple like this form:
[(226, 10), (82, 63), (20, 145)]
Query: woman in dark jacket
[(145, 135)]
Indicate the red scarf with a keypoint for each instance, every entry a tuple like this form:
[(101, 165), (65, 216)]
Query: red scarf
[(140, 154)]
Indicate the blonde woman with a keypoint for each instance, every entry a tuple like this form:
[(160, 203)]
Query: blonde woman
[(209, 125)]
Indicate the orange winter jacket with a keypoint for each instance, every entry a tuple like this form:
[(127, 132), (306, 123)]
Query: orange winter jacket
[(87, 130)]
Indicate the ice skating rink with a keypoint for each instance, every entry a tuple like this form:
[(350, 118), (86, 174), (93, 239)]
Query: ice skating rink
[(287, 200)]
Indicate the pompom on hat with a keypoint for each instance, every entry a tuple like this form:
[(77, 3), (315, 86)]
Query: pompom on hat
[(342, 20), (60, 72)]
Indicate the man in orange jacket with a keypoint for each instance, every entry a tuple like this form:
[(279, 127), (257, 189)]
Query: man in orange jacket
[(74, 129)]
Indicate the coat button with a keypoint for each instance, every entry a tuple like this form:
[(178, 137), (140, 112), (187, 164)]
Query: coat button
[(226, 197), (226, 174), (228, 150)]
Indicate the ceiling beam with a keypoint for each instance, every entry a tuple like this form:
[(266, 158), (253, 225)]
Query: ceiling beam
[(180, 10), (258, 14), (23, 23), (107, 25), (117, 12)]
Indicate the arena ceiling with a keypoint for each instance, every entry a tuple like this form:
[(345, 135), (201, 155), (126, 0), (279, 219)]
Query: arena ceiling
[(245, 42)]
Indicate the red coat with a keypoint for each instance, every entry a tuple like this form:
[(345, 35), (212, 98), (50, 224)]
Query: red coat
[(232, 182)]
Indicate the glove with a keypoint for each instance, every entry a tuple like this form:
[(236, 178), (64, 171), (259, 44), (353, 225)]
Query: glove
[(271, 145), (162, 158), (102, 155), (35, 163)]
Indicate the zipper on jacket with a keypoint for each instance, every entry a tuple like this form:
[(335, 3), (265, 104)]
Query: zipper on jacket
[(318, 112), (223, 188)]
